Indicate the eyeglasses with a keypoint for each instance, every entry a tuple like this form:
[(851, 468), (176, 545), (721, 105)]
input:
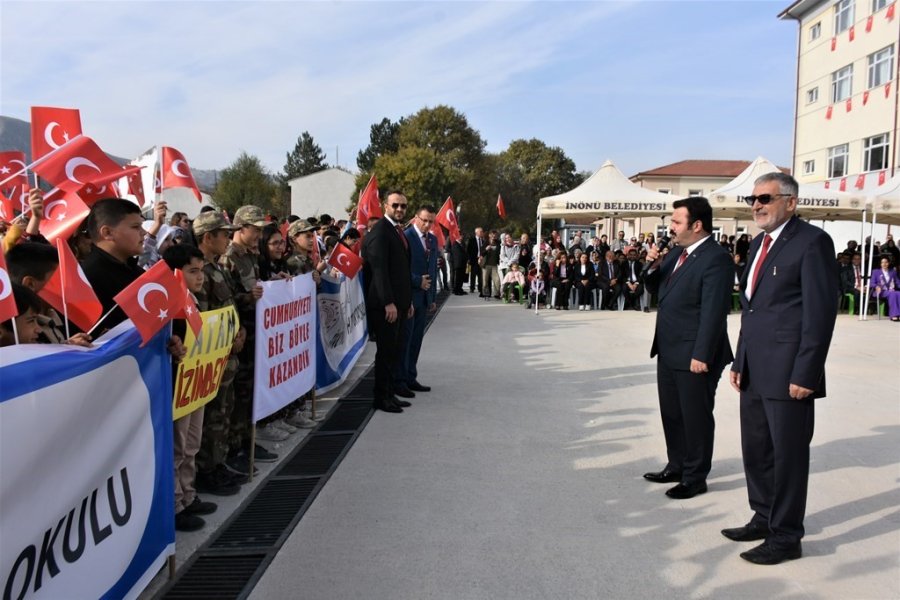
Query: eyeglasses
[(396, 205), (763, 198)]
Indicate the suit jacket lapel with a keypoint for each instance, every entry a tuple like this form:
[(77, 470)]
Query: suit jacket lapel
[(786, 234), (670, 281)]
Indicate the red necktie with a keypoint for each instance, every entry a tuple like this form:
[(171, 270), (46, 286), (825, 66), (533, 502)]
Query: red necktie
[(767, 241), (681, 259), (402, 237)]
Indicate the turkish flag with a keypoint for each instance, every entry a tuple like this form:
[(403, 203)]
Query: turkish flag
[(176, 172), (861, 181), (17, 197), (69, 292), (135, 183), (828, 112), (12, 169), (6, 208), (102, 187), (447, 217), (152, 300), (852, 33), (77, 163), (314, 254), (881, 177), (849, 104), (869, 23), (501, 209), (8, 308), (827, 185), (865, 97), (345, 260), (51, 128), (284, 232), (843, 185), (889, 14), (438, 232), (63, 214), (887, 87), (190, 312), (833, 43), (369, 206)]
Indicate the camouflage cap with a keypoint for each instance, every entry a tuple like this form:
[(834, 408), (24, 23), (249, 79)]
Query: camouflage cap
[(300, 226), (250, 215), (211, 221)]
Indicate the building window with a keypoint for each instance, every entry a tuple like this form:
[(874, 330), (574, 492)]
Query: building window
[(843, 16), (878, 5), (837, 160), (815, 31), (875, 152), (695, 192), (842, 84), (809, 167), (881, 67), (812, 95), (664, 190)]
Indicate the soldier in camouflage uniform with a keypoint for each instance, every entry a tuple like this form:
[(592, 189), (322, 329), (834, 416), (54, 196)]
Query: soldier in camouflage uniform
[(213, 234), (241, 261)]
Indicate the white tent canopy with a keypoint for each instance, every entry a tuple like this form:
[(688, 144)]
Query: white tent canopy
[(886, 201), (606, 193), (813, 200)]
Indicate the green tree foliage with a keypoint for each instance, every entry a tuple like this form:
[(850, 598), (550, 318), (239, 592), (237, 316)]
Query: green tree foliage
[(245, 181), (447, 133), (382, 140), (306, 158)]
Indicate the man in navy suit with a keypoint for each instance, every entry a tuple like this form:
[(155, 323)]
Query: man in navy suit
[(694, 284), (789, 309), (385, 251), (423, 252)]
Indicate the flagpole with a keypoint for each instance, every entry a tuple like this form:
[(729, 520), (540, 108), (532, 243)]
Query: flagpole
[(97, 324), (15, 330)]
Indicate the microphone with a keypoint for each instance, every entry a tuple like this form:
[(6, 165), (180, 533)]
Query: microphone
[(661, 244)]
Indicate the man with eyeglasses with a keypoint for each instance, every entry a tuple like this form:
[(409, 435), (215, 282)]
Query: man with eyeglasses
[(789, 299), (423, 251), (385, 250)]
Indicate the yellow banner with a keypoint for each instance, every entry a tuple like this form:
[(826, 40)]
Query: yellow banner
[(201, 370)]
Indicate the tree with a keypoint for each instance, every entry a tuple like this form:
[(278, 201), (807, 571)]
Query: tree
[(382, 140), (447, 133), (243, 182), (418, 172), (306, 158)]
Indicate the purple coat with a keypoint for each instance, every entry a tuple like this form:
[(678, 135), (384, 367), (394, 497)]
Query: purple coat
[(885, 282)]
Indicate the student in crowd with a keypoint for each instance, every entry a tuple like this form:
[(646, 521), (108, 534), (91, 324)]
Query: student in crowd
[(562, 281), (513, 279), (490, 262), (27, 327), (584, 282), (188, 430)]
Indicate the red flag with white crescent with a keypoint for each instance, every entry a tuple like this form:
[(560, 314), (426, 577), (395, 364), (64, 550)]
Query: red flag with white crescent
[(13, 163), (190, 312), (889, 14), (881, 177), (887, 89), (63, 214), (176, 172), (842, 186), (8, 308), (152, 300), (869, 23), (77, 164), (103, 186), (861, 181), (69, 292), (852, 33), (51, 128), (849, 104), (827, 185), (369, 205), (828, 112), (345, 260), (136, 186), (447, 217), (501, 208), (865, 97), (6, 208)]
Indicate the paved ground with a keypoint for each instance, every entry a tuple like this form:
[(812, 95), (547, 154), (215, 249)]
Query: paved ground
[(519, 476)]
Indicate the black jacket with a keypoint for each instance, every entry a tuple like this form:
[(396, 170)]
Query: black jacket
[(386, 267)]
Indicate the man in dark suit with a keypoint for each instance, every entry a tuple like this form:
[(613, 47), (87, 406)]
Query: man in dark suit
[(632, 285), (423, 251), (385, 251), (694, 285), (789, 309), (475, 250), (608, 281), (458, 261)]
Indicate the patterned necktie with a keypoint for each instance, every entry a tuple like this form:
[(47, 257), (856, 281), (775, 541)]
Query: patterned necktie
[(681, 259), (767, 241), (427, 249), (402, 237)]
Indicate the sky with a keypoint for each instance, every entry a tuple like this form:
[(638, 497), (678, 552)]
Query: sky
[(641, 83)]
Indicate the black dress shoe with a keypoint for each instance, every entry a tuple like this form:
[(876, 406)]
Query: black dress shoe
[(388, 407), (772, 554), (404, 392), (683, 491), (398, 402), (664, 476), (418, 387), (748, 533)]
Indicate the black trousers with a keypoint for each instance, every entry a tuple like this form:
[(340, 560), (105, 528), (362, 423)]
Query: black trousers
[(775, 438), (686, 402), (387, 351), (459, 277), (475, 277)]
